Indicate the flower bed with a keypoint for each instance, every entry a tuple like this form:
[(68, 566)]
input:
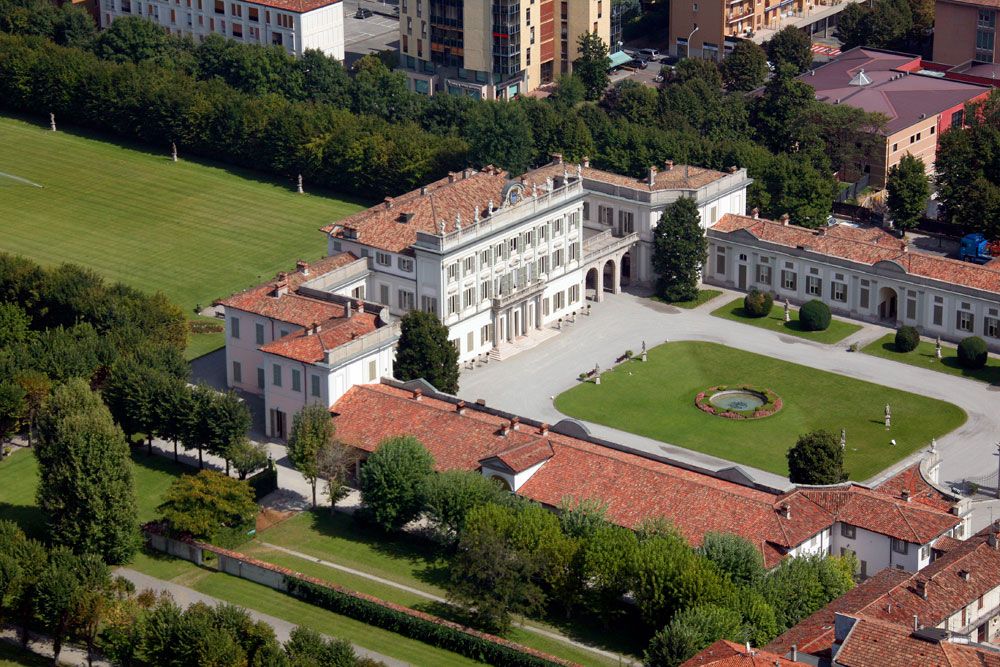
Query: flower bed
[(772, 402)]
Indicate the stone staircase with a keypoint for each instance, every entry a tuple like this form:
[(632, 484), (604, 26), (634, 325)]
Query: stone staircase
[(506, 350)]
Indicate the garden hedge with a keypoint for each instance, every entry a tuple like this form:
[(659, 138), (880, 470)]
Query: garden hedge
[(757, 303), (907, 339), (412, 625), (972, 352), (814, 316)]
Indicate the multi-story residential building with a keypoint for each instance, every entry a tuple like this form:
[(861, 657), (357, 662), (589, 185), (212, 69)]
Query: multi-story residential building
[(949, 606), (494, 49), (966, 30), (495, 258), (918, 104), (862, 273), (296, 25), (306, 337), (897, 524)]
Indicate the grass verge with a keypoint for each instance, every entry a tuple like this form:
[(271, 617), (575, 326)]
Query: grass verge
[(836, 332), (925, 357)]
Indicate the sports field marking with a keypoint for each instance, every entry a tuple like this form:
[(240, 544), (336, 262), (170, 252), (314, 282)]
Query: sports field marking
[(20, 180)]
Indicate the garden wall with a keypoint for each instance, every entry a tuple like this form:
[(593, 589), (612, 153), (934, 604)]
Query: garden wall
[(366, 608)]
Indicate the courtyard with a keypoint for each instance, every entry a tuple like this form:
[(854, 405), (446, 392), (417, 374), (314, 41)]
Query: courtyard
[(656, 399)]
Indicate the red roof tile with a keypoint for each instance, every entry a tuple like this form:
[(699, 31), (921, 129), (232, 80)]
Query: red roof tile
[(522, 457), (296, 6), (874, 644), (864, 246), (728, 654), (308, 347), (918, 489), (680, 177)]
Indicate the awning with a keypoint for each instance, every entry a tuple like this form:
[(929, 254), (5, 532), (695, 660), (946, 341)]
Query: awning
[(619, 58)]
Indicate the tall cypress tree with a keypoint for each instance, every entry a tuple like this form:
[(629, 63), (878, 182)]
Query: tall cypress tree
[(679, 249), (424, 351), (86, 488)]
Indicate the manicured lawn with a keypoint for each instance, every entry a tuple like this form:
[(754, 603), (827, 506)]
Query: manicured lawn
[(19, 472), (837, 331), (704, 296), (194, 230), (656, 399), (925, 357)]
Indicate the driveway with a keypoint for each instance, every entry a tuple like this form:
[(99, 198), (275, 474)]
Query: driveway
[(527, 383)]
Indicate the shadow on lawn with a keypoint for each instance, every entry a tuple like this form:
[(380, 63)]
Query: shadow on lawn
[(28, 517), (990, 374)]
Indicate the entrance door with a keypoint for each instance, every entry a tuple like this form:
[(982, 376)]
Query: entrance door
[(887, 304), (501, 328), (277, 424), (981, 634), (743, 276), (517, 323)]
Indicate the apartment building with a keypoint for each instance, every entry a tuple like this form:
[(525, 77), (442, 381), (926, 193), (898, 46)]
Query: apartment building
[(296, 25), (919, 104), (306, 337), (861, 273), (966, 31), (494, 49)]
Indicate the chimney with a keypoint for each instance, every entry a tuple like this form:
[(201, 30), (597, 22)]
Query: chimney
[(481, 402), (312, 329), (821, 231), (916, 622), (347, 310), (418, 394), (466, 173), (586, 162), (785, 219), (922, 589), (795, 653), (543, 429), (992, 540), (388, 202), (903, 247), (451, 177), (965, 574), (785, 510), (460, 407), (281, 285), (652, 176), (556, 158), (423, 189), (733, 169), (906, 495), (514, 422), (360, 306), (669, 164), (302, 267), (504, 429)]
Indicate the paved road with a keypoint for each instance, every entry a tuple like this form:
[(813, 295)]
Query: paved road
[(526, 384), (185, 596)]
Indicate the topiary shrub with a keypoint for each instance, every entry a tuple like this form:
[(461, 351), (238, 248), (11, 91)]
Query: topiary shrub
[(757, 303), (907, 339), (972, 352), (814, 316)]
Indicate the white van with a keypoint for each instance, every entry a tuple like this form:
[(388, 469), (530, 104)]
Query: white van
[(649, 54)]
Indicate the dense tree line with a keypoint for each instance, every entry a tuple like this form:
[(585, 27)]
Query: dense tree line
[(508, 556), (363, 131)]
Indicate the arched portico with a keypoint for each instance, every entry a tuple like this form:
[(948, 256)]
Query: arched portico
[(593, 284), (604, 273), (888, 304)]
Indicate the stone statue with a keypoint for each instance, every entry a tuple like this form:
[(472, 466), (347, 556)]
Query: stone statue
[(440, 227), (788, 314), (548, 184), (643, 347), (888, 417), (458, 222), (597, 374), (579, 171), (489, 207), (173, 152), (843, 438), (301, 191), (937, 347), (52, 121), (475, 215)]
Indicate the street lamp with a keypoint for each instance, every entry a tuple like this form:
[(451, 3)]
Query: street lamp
[(690, 35)]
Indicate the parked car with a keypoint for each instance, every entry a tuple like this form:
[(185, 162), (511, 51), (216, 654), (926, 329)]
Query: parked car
[(362, 13), (649, 54), (639, 63)]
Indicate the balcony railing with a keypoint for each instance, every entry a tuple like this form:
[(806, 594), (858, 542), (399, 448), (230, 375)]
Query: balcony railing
[(362, 344), (606, 243), (522, 293)]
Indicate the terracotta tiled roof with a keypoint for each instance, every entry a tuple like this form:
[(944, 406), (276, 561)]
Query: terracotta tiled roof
[(728, 654), (874, 644), (295, 6), (880, 513), (814, 634), (310, 347), (864, 246), (393, 226), (920, 491), (680, 177), (634, 487), (264, 299), (524, 456)]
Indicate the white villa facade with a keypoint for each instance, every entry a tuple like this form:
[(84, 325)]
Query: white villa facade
[(296, 25), (307, 337), (861, 273), (499, 258)]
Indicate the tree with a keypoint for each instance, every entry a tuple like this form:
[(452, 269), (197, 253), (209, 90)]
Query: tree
[(131, 39), (393, 480), (908, 192), (734, 556), (745, 68), (13, 408), (499, 134), (15, 325), (227, 421), (697, 69), (757, 303), (36, 388), (86, 488), (489, 576), (424, 351), (581, 518), (816, 458), (690, 631), (679, 249), (814, 315), (799, 586), (450, 496), (593, 64), (312, 431), (607, 558), (247, 456), (781, 114), (792, 46), (972, 352), (208, 504), (792, 186), (569, 92), (907, 338)]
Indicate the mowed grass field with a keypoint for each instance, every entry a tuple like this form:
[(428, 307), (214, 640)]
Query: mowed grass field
[(193, 230), (656, 399)]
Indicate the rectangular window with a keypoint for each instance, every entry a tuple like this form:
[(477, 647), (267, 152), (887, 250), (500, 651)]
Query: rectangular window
[(404, 264), (991, 327), (557, 258), (486, 334), (470, 342), (469, 297), (406, 300), (626, 222), (720, 261), (965, 321), (372, 370), (911, 306), (848, 531), (314, 385), (454, 304), (469, 265), (296, 380), (574, 251), (383, 294), (605, 215), (574, 293), (900, 546), (557, 226), (276, 375), (484, 258), (234, 327), (937, 313), (788, 280), (484, 289), (814, 285), (764, 274), (237, 372), (838, 292), (259, 330), (453, 272), (428, 304), (383, 258), (586, 210), (924, 552), (260, 378)]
